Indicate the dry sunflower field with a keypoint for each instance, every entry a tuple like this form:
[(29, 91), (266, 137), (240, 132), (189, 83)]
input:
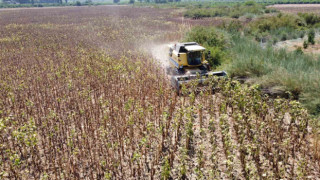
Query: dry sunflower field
[(82, 98), (296, 8)]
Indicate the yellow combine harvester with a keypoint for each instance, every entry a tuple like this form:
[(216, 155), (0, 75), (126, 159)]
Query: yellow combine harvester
[(188, 62)]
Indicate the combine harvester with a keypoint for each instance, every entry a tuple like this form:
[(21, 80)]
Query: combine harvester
[(188, 62)]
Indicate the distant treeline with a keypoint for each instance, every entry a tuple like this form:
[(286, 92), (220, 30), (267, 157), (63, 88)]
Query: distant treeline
[(33, 1), (66, 1), (154, 1)]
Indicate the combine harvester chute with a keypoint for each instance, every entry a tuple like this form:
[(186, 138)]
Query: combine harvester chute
[(188, 64)]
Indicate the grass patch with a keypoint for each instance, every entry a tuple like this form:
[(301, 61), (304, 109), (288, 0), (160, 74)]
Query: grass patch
[(277, 69)]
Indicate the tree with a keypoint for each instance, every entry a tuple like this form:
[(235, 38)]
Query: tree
[(131, 1), (116, 1)]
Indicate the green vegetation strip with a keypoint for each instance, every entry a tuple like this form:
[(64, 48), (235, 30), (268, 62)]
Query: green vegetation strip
[(249, 8), (278, 71)]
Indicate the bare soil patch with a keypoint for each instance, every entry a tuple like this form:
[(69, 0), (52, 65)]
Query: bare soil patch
[(293, 44)]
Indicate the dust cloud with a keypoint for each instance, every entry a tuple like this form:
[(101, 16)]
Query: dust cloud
[(159, 52)]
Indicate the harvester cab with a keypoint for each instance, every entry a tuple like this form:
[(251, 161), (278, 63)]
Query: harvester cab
[(187, 62)]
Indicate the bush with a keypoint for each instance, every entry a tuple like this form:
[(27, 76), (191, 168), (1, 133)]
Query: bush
[(310, 18), (305, 44), (235, 14), (233, 26), (198, 13), (213, 40), (250, 16), (302, 34), (207, 37), (275, 40), (234, 11), (298, 50), (283, 26), (311, 36), (250, 3), (284, 36), (217, 56), (280, 21), (78, 3)]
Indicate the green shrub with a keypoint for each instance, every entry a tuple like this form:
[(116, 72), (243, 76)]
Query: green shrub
[(250, 3), (78, 3), (305, 44), (280, 21), (310, 18), (207, 36), (302, 34), (213, 40), (311, 36), (217, 56), (250, 16), (200, 13), (275, 40), (284, 36), (283, 26), (233, 26), (235, 14), (234, 11), (298, 50)]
